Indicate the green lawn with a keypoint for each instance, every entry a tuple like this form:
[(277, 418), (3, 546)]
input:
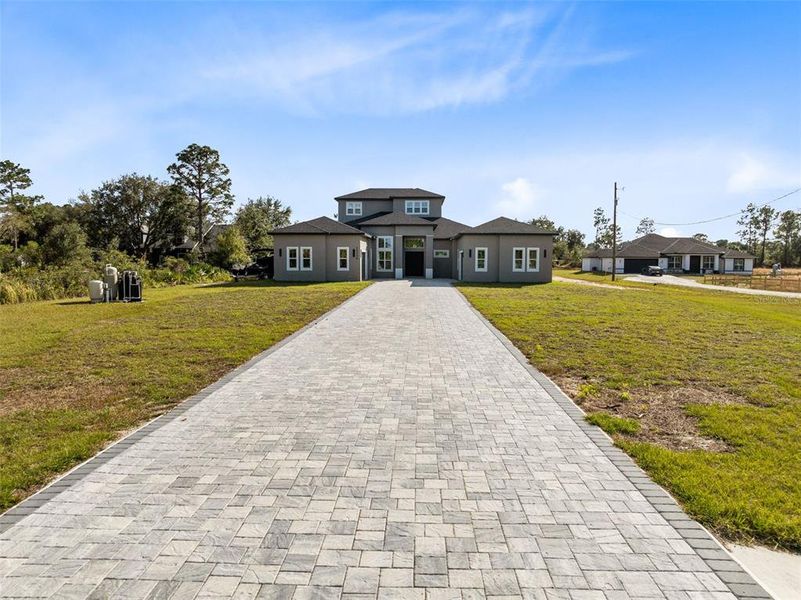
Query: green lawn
[(702, 388), (75, 376)]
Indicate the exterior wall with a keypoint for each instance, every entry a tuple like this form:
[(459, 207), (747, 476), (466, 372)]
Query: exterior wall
[(663, 262), (398, 232), (590, 264), (620, 265), (506, 244), (324, 257), (606, 265), (355, 244), (728, 266), (374, 232), (444, 267), (369, 207), (468, 244)]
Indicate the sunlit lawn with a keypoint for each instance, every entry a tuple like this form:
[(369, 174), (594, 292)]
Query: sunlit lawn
[(636, 345), (74, 376)]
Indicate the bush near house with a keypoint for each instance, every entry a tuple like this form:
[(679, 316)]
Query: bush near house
[(712, 381)]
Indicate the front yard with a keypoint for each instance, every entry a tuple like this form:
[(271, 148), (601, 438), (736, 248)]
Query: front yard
[(75, 376), (702, 388)]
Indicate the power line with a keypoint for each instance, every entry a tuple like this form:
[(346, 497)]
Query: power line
[(729, 216)]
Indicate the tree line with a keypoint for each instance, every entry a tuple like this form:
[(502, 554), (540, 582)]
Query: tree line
[(141, 215)]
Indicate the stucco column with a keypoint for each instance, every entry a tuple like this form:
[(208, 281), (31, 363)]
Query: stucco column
[(398, 253), (429, 257)]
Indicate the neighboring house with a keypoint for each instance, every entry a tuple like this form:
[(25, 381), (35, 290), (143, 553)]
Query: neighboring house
[(400, 232), (190, 245), (674, 254)]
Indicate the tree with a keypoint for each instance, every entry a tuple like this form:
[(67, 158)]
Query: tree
[(646, 226), (543, 222), (258, 217), (65, 243), (231, 251), (747, 232), (763, 223), (140, 212), (701, 237), (204, 179), (15, 207), (788, 232), (604, 236)]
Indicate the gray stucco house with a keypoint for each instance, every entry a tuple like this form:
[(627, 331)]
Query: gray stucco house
[(399, 233)]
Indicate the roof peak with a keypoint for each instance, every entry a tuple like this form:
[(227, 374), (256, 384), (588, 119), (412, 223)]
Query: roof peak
[(389, 194)]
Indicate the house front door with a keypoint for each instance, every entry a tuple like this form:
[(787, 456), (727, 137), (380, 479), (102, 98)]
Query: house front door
[(695, 264), (413, 263)]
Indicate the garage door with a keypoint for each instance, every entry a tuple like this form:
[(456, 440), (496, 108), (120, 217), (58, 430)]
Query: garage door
[(636, 265)]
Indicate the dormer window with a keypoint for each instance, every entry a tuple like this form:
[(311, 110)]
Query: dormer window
[(353, 209), (417, 207)]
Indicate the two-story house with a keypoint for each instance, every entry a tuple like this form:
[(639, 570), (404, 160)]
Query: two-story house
[(399, 233)]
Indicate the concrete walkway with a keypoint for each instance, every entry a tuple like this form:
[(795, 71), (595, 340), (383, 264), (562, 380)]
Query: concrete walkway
[(398, 449), (691, 283)]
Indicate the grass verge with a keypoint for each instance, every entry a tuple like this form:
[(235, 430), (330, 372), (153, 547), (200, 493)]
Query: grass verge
[(712, 379), (75, 376)]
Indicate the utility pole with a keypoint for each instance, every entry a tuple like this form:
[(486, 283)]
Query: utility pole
[(614, 235)]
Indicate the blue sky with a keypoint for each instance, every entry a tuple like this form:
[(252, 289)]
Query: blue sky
[(516, 109)]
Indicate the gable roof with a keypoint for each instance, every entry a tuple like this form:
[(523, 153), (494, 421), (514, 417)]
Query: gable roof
[(653, 245), (397, 218), (389, 194), (446, 228), (320, 225), (506, 226)]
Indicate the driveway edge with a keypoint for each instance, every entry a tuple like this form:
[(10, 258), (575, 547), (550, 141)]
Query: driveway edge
[(16, 513), (739, 581)]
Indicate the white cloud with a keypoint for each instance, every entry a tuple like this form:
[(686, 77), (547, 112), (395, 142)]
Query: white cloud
[(519, 199), (752, 173), (670, 232), (402, 63)]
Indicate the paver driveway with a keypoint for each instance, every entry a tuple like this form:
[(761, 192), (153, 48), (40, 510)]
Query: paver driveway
[(395, 450)]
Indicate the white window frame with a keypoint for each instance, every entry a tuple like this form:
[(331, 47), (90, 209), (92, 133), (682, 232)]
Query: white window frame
[(353, 209), (290, 258), (311, 258), (486, 253), (339, 258), (735, 262), (388, 251), (442, 253), (673, 260), (704, 259), (522, 260), (528, 260), (417, 207)]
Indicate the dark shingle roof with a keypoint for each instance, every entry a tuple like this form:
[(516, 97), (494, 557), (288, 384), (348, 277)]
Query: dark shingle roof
[(389, 194), (505, 226), (320, 225), (447, 228), (732, 253), (691, 246), (396, 218)]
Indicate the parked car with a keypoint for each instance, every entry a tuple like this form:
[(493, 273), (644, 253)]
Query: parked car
[(261, 269), (653, 271)]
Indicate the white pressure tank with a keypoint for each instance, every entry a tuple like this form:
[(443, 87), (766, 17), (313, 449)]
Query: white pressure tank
[(110, 279), (96, 290)]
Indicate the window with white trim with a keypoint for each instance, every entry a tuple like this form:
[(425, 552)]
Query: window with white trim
[(481, 259), (384, 247), (674, 263), (417, 207), (518, 259), (353, 209), (343, 258), (707, 263), (532, 260), (442, 253), (292, 259), (305, 258), (739, 264)]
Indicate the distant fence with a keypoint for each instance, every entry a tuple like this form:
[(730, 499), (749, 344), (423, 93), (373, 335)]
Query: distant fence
[(757, 282)]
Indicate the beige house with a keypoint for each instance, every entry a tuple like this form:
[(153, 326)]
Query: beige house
[(400, 232)]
